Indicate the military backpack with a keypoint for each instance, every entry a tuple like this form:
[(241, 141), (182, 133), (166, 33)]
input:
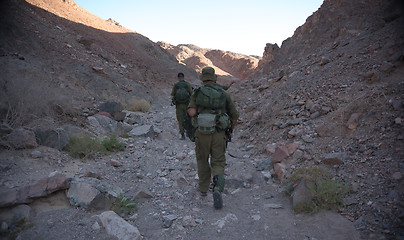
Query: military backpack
[(181, 92), (210, 97), (211, 101)]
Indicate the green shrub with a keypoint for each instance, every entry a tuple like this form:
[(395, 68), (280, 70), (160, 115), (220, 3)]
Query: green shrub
[(84, 146), (112, 144), (124, 206), (141, 105), (327, 193), (310, 175)]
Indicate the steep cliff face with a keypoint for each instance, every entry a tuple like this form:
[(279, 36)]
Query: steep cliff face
[(336, 24), (66, 50), (337, 86), (225, 63)]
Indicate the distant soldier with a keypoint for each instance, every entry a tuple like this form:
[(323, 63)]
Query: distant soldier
[(214, 112), (180, 96)]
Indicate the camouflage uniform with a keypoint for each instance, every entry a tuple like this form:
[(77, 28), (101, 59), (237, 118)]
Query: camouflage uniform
[(181, 108), (213, 145)]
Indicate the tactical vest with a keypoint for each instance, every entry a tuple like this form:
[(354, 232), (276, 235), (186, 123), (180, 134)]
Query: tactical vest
[(211, 107)]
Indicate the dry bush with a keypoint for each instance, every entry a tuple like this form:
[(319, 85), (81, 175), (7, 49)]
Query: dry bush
[(136, 105), (33, 103), (327, 193)]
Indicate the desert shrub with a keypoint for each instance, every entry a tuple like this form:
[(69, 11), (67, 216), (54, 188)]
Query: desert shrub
[(28, 103), (310, 175), (112, 144), (136, 105), (84, 146), (327, 193), (124, 206)]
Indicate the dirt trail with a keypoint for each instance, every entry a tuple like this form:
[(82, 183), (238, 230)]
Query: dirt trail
[(254, 207)]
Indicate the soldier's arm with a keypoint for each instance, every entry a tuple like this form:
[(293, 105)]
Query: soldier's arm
[(231, 108), (190, 89), (192, 106), (173, 92)]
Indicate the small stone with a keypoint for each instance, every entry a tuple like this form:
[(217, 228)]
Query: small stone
[(337, 158), (315, 115), (280, 171), (353, 121), (168, 220), (397, 176), (307, 139), (295, 132), (350, 201), (115, 163), (36, 154), (96, 226), (188, 221), (98, 69), (249, 147), (273, 206), (270, 148)]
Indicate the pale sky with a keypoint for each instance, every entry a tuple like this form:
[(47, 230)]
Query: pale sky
[(230, 25)]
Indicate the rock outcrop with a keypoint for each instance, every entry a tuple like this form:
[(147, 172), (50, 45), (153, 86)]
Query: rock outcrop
[(225, 63)]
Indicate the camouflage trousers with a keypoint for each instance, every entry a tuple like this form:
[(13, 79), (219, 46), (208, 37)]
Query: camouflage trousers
[(181, 110), (213, 146)]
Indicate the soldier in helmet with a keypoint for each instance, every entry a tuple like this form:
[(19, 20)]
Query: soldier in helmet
[(214, 112), (180, 95)]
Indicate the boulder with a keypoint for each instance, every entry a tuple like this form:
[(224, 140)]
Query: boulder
[(92, 193), (22, 138), (142, 131), (102, 125), (27, 194), (118, 227), (301, 193), (113, 108), (55, 138), (142, 195), (283, 152)]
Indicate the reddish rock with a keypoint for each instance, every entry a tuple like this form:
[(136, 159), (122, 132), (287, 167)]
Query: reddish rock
[(26, 194), (280, 171), (105, 114), (322, 130), (283, 152)]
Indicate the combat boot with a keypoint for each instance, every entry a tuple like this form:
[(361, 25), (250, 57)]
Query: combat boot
[(218, 188), (182, 136)]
